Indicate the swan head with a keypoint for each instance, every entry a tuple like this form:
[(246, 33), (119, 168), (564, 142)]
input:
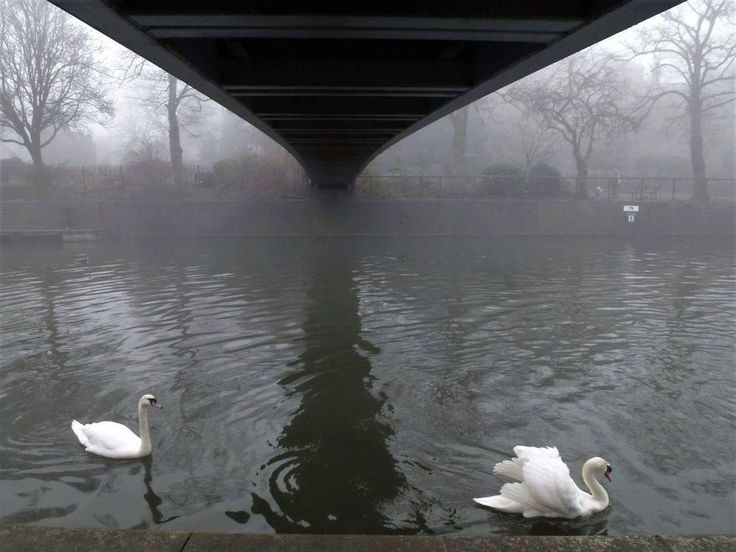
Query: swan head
[(149, 400), (599, 465)]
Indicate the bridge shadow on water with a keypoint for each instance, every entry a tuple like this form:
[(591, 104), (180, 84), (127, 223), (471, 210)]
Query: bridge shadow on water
[(335, 473)]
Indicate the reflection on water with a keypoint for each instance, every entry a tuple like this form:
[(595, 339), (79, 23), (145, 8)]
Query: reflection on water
[(365, 385), (150, 496), (335, 473), (594, 525)]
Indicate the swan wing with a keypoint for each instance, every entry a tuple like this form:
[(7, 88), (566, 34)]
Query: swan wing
[(544, 488), (107, 438), (526, 453), (546, 478), (513, 468), (510, 468)]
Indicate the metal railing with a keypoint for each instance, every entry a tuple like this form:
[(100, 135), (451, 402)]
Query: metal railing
[(157, 179), (516, 186)]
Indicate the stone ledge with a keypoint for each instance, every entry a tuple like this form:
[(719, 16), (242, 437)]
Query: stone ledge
[(30, 538)]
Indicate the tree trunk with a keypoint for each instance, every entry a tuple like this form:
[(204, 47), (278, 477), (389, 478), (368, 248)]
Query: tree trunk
[(175, 151), (697, 159), (581, 180), (40, 178), (460, 126)]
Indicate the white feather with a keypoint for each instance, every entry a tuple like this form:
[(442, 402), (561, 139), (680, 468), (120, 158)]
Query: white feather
[(108, 439), (509, 468), (114, 440), (545, 488)]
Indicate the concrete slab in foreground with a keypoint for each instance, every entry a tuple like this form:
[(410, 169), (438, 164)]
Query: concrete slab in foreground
[(22, 538), (27, 538)]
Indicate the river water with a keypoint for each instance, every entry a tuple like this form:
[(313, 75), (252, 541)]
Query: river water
[(368, 385)]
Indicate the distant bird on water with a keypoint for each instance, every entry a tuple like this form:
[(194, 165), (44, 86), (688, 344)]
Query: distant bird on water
[(545, 488), (114, 440)]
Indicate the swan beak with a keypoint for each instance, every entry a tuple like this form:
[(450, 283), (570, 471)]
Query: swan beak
[(608, 476), (157, 405)]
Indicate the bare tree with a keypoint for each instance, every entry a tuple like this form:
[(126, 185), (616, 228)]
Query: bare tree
[(140, 141), (532, 143), (694, 48), (583, 99), (459, 120), (48, 77), (165, 93), (535, 140)]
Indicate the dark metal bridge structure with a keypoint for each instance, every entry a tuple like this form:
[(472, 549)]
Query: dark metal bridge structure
[(338, 82)]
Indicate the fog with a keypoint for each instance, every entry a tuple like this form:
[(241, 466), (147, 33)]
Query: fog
[(507, 133), (551, 265)]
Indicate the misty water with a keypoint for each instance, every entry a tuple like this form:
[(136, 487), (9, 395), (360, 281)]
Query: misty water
[(368, 385)]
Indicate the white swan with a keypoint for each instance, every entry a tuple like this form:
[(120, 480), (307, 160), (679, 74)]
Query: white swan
[(546, 488), (114, 440)]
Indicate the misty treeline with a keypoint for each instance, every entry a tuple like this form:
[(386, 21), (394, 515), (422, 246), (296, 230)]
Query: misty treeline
[(71, 98), (656, 101)]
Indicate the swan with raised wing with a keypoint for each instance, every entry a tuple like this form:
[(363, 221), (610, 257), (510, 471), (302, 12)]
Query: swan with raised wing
[(544, 487), (114, 440)]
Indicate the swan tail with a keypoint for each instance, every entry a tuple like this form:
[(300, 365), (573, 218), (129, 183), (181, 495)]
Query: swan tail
[(501, 503), (519, 494), (510, 468), (78, 430), (535, 513)]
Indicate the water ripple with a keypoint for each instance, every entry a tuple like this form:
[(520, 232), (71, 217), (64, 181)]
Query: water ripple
[(367, 385)]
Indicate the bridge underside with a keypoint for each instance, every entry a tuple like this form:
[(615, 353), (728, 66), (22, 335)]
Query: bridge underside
[(337, 82)]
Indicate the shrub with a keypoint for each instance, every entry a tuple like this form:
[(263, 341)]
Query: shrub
[(147, 174), (544, 181), (256, 174), (225, 172), (14, 171), (504, 180)]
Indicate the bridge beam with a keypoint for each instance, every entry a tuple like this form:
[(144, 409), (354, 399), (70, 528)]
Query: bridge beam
[(335, 82)]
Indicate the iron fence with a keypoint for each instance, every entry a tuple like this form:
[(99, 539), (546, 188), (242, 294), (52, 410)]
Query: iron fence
[(157, 179), (513, 186)]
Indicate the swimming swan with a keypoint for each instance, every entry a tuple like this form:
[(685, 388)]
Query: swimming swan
[(114, 440), (546, 488)]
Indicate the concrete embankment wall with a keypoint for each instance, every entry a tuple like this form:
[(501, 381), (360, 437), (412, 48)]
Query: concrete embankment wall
[(350, 217), (20, 538)]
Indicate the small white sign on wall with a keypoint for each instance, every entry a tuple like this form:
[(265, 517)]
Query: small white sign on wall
[(631, 211)]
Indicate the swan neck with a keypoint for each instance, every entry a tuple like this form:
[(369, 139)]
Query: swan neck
[(596, 489), (144, 432)]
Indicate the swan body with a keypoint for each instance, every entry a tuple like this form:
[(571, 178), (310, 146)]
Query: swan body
[(544, 487), (114, 440)]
